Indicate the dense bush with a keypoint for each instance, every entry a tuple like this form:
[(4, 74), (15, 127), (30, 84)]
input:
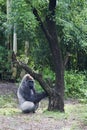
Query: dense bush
[(75, 84), (5, 65)]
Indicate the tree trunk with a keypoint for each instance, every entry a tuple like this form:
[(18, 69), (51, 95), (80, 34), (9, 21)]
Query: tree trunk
[(8, 36), (56, 103), (56, 100), (15, 40), (26, 48), (23, 72), (56, 95), (14, 68)]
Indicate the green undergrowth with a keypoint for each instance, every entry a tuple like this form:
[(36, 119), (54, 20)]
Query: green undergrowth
[(8, 105), (9, 111), (75, 83), (7, 101), (74, 112), (79, 110)]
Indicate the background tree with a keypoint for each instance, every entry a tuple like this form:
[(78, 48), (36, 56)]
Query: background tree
[(33, 20)]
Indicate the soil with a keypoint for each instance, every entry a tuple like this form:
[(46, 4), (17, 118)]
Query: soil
[(38, 120)]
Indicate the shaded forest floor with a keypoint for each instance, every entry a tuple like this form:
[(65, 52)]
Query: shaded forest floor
[(11, 118)]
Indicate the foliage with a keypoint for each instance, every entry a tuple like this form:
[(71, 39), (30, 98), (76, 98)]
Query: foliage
[(7, 101), (70, 15), (75, 85), (71, 26), (8, 105), (48, 75), (2, 28), (24, 19), (9, 111), (75, 111), (69, 31), (5, 71)]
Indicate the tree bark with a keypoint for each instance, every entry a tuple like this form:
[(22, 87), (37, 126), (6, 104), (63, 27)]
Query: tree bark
[(35, 75), (8, 36), (23, 72), (15, 40), (14, 68), (56, 101)]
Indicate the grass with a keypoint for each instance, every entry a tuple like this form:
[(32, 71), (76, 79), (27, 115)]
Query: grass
[(8, 105), (9, 111), (75, 115), (7, 101)]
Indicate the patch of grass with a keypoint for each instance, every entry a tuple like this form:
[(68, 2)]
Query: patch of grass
[(84, 101), (79, 111), (8, 105), (56, 115), (74, 113), (9, 111), (7, 101), (82, 113)]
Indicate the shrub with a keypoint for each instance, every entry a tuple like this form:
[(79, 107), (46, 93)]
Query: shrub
[(5, 65), (75, 84)]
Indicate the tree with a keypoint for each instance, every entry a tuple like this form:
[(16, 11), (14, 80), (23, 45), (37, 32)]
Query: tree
[(49, 28), (57, 98), (56, 93)]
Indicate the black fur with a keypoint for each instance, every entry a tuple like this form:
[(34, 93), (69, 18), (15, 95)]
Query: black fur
[(27, 92)]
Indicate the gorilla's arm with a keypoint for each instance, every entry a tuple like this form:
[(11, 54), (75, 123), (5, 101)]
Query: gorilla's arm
[(37, 97)]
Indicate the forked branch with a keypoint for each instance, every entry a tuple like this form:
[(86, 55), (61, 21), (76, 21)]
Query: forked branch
[(36, 76)]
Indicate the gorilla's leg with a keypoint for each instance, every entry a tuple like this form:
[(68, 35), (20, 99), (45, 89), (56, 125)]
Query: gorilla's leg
[(27, 107), (31, 106), (20, 97)]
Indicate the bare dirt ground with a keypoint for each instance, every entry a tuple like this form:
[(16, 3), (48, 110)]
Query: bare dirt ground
[(39, 120)]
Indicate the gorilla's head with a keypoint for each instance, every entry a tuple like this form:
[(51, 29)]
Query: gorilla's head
[(28, 81)]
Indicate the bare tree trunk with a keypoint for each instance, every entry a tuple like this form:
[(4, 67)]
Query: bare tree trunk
[(8, 36), (26, 48), (26, 55), (14, 68), (15, 40)]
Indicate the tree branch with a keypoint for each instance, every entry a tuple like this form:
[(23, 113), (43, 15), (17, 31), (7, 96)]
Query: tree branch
[(35, 12), (35, 75)]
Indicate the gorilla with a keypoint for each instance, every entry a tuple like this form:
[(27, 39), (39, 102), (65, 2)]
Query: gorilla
[(27, 96)]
